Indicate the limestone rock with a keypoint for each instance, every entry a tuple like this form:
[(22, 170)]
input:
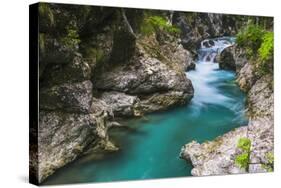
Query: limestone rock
[(246, 77), (226, 59), (214, 157), (68, 97), (218, 156), (62, 137), (121, 104), (76, 70), (164, 101), (145, 77)]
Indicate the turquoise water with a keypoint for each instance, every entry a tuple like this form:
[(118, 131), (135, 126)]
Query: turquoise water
[(150, 147)]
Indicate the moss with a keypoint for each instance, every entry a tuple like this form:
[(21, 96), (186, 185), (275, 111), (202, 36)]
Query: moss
[(71, 39)]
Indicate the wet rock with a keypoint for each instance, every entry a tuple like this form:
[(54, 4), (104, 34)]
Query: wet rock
[(226, 59), (68, 97)]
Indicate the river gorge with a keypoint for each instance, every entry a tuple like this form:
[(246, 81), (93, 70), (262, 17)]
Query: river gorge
[(150, 146), (134, 94)]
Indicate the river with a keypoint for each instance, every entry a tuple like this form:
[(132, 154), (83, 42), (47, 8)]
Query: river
[(150, 147)]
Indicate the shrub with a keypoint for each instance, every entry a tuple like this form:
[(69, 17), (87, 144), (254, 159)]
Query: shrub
[(258, 44), (244, 144), (158, 24), (243, 159), (250, 39), (266, 49)]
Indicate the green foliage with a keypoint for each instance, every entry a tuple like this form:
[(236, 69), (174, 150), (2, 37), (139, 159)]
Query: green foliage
[(243, 159), (244, 144), (266, 48), (270, 162), (258, 44), (157, 24), (251, 39), (71, 39)]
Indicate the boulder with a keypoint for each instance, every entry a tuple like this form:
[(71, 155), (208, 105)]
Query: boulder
[(226, 59), (69, 97), (164, 101), (122, 104), (214, 157), (144, 77)]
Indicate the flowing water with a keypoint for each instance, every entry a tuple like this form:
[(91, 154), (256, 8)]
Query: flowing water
[(150, 147)]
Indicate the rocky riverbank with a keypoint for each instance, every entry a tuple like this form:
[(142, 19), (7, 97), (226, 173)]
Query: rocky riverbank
[(100, 64), (218, 157), (85, 88)]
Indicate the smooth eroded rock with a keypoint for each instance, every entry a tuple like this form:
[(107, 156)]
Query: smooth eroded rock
[(61, 138), (122, 104)]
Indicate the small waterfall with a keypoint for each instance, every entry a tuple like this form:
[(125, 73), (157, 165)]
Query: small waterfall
[(207, 78)]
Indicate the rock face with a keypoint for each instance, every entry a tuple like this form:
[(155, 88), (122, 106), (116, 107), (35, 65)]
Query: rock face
[(71, 97), (56, 148), (197, 27), (109, 71), (218, 156), (149, 82)]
